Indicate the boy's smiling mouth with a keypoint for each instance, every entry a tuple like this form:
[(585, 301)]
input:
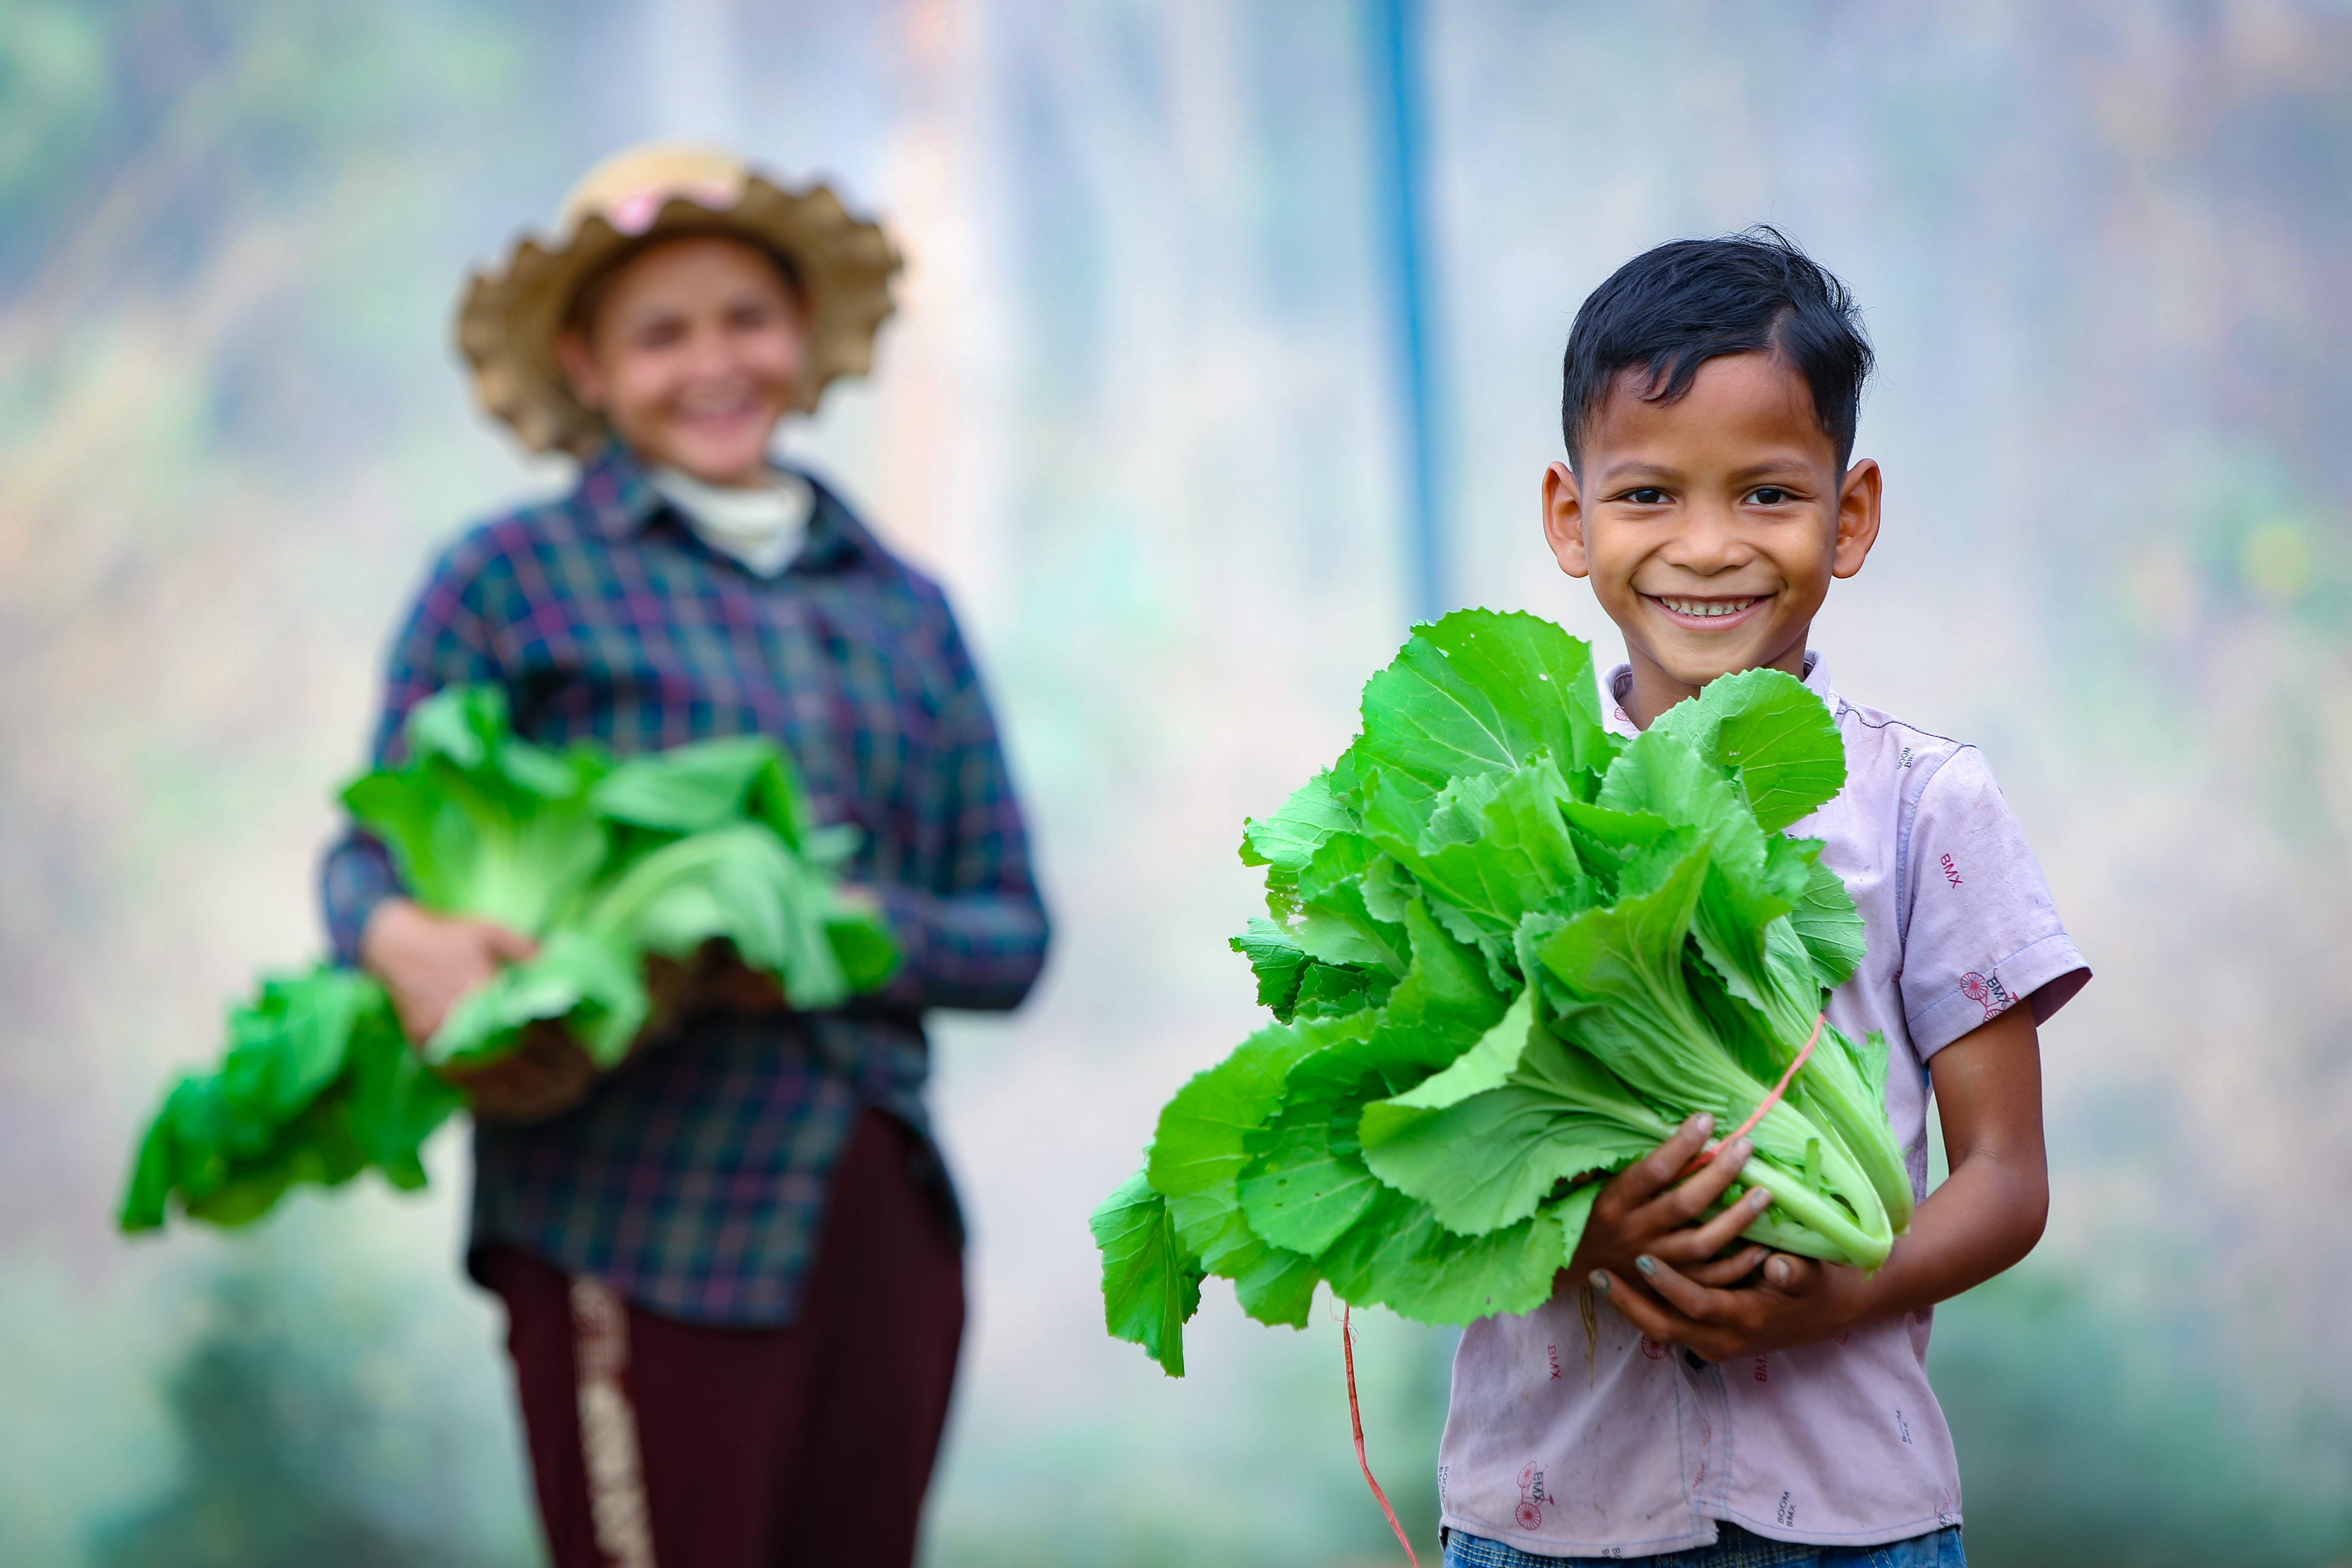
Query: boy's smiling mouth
[(1713, 614)]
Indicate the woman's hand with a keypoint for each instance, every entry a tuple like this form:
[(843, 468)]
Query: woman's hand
[(545, 1075), (427, 962), (1646, 1212)]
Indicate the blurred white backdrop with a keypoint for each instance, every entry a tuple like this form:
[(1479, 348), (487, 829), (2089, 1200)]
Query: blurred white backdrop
[(1141, 413)]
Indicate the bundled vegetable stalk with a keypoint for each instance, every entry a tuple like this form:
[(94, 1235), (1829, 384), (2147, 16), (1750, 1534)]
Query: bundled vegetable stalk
[(1509, 954), (609, 864)]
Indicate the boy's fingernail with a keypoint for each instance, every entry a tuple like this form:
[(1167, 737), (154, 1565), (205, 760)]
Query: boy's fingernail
[(1740, 1149), (1600, 1282), (1704, 1121), (1760, 1199), (1647, 1265)]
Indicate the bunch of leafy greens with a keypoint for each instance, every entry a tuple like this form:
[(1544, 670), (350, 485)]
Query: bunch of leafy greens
[(602, 860), (1507, 953)]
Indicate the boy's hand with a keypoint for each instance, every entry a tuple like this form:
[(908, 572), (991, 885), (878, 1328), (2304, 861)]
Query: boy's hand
[(1988, 1213), (1795, 1301), (1645, 1212)]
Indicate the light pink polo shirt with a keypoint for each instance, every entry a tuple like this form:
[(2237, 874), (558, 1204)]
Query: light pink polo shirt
[(1612, 1445)]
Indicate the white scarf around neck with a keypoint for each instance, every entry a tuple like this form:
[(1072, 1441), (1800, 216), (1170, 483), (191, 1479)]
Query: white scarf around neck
[(762, 528)]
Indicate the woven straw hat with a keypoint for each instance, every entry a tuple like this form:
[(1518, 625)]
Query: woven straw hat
[(508, 321)]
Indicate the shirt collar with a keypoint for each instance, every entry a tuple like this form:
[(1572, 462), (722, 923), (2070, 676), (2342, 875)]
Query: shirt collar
[(1618, 684), (620, 501), (615, 492)]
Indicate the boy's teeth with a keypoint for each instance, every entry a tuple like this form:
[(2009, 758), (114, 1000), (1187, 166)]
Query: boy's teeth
[(1707, 607)]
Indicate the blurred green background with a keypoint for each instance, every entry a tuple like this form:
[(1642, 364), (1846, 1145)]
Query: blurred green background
[(1140, 412)]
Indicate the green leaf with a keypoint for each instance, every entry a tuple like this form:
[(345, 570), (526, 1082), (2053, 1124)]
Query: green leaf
[(1490, 1161), (1491, 847), (1307, 1183), (1572, 1213), (473, 844), (1336, 990), (1279, 1289), (1273, 1285), (1487, 1158), (1291, 836), (1480, 692), (1607, 840), (1830, 927), (687, 789), (289, 1043), (1459, 1280), (1302, 1191), (743, 883), (397, 1103), (146, 1196), (864, 951), (594, 984), (1334, 922), (705, 784), (1445, 998), (463, 724), (1873, 1059), (1150, 1285), (1275, 959), (1660, 775), (1768, 727), (1489, 1064), (1199, 1145), (1398, 1257), (316, 1147)]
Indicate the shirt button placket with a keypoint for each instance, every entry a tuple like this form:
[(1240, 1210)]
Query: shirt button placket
[(1706, 1386)]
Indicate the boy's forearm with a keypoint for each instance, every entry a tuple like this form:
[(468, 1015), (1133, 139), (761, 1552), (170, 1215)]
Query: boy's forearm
[(1982, 1220), (1990, 1211)]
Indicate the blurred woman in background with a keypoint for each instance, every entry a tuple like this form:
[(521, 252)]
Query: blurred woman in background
[(732, 1268)]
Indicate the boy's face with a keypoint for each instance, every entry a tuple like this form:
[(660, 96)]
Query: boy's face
[(1710, 526), (694, 354)]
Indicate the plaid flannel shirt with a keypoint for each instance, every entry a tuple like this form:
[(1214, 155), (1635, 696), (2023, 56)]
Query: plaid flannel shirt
[(693, 1180)]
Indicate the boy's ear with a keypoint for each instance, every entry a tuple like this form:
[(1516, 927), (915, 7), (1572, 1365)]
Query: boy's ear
[(1563, 519), (580, 368), (1857, 520)]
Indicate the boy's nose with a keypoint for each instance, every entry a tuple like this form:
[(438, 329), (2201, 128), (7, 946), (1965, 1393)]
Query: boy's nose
[(1709, 540)]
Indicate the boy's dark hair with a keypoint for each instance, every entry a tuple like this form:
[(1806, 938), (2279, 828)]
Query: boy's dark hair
[(1672, 309)]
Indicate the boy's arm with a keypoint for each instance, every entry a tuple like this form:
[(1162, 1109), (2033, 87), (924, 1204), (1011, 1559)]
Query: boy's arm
[(1985, 1216)]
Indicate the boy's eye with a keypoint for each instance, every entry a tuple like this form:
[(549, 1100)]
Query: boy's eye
[(1769, 495), (1648, 495)]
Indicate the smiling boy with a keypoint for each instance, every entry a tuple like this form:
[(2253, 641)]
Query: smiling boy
[(1740, 1406)]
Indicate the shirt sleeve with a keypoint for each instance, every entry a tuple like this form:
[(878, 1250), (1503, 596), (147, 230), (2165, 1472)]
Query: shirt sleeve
[(977, 937), (444, 642), (1981, 930)]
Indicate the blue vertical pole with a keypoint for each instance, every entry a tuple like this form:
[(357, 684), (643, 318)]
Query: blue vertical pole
[(1394, 92)]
